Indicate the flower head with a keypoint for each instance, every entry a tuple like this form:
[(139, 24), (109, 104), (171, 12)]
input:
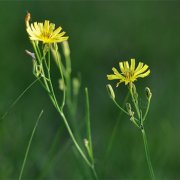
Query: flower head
[(44, 32), (128, 72)]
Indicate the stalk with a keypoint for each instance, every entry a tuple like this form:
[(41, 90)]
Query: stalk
[(147, 154), (29, 145)]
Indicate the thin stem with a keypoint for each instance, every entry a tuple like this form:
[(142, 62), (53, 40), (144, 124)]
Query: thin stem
[(124, 111), (29, 144), (57, 57), (135, 103), (114, 131), (147, 154), (67, 125), (94, 173), (49, 77), (74, 140), (147, 109), (40, 58), (38, 54), (88, 124), (62, 76), (120, 107), (18, 98), (134, 120), (53, 98), (68, 79)]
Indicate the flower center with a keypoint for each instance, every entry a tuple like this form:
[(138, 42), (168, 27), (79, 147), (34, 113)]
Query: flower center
[(128, 74)]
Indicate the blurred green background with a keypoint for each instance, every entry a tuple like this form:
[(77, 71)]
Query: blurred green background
[(102, 33)]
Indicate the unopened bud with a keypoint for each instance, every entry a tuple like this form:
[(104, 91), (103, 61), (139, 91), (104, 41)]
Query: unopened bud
[(128, 107), (66, 49), (86, 142), (27, 19), (37, 69), (148, 93), (110, 91), (46, 48), (56, 54), (61, 84), (135, 94), (76, 85)]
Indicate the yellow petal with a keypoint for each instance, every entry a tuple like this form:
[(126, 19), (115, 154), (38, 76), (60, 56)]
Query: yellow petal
[(126, 66), (60, 39), (112, 77), (144, 74), (121, 67), (57, 30), (41, 28), (51, 27), (140, 65), (143, 69), (37, 29), (45, 32), (59, 35), (117, 73), (46, 26), (132, 65)]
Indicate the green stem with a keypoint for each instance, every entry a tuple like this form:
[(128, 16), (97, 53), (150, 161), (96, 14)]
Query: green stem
[(68, 81), (94, 173), (66, 123), (147, 109), (89, 125), (125, 112), (69, 130), (39, 59), (114, 131), (29, 144), (147, 154), (73, 138), (120, 107), (18, 98), (53, 98), (135, 103), (62, 76), (49, 77)]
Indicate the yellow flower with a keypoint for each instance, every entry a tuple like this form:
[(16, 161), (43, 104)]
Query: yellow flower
[(128, 72), (44, 32)]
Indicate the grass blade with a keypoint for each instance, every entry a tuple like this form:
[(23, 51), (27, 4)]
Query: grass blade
[(18, 98), (29, 144), (88, 123)]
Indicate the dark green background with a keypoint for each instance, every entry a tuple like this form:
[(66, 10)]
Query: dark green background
[(102, 33)]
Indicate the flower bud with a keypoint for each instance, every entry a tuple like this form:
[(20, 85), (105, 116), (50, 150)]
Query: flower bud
[(56, 54), (76, 85), (86, 143), (27, 19), (46, 48), (37, 69), (110, 91), (135, 94), (66, 49), (61, 84), (128, 107), (148, 93)]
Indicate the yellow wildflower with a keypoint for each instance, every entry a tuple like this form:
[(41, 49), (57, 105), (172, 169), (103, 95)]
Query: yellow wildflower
[(44, 32), (128, 72)]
